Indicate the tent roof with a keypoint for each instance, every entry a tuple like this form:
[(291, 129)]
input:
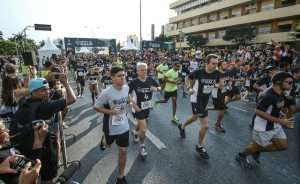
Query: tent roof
[(129, 46), (84, 50), (49, 46)]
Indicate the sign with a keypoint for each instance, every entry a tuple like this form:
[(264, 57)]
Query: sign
[(90, 42), (158, 45), (42, 27)]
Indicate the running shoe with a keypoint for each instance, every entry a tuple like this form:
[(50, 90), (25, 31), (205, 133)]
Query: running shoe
[(220, 129), (202, 152), (121, 181), (102, 144), (181, 131), (143, 151), (256, 157), (175, 120), (243, 161)]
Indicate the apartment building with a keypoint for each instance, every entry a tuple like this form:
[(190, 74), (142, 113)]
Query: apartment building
[(274, 19)]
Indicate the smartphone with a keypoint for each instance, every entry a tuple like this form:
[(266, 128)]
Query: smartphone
[(21, 163)]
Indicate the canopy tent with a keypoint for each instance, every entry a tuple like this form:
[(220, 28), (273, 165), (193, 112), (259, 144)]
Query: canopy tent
[(129, 46), (48, 49), (83, 50)]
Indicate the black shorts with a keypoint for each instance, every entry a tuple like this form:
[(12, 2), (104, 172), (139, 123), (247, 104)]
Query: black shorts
[(201, 107), (81, 81), (122, 140), (144, 114), (194, 108), (170, 94)]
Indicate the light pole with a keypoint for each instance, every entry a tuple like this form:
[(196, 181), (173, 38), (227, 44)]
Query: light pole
[(141, 49)]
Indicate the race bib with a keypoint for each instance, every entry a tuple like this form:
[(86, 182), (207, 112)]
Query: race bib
[(247, 83), (119, 119), (80, 74), (183, 74), (130, 78), (215, 93), (207, 89), (146, 104)]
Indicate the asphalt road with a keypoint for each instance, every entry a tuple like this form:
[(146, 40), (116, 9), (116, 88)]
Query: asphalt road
[(173, 160)]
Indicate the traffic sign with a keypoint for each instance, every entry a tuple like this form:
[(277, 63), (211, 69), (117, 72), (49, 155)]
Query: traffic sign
[(42, 27)]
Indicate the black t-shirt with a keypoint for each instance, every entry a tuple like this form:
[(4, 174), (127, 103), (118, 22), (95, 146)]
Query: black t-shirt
[(271, 103), (141, 91), (264, 80), (106, 80), (206, 81), (80, 71)]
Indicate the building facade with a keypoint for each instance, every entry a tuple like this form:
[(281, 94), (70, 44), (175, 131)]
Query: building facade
[(274, 19)]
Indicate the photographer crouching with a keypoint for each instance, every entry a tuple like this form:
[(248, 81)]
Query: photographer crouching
[(32, 113)]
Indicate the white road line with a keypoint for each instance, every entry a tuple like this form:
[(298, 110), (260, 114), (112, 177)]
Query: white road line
[(81, 113), (160, 145)]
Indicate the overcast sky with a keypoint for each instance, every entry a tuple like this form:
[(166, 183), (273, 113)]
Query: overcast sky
[(83, 18)]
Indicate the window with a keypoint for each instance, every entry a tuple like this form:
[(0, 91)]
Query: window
[(285, 26), (236, 12), (221, 34), (211, 35), (267, 5), (288, 3), (264, 29), (203, 20), (213, 17), (224, 14), (195, 21)]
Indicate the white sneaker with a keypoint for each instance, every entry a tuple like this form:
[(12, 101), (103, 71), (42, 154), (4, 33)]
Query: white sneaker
[(143, 151)]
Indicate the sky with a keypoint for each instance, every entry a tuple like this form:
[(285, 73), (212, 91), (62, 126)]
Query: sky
[(84, 18)]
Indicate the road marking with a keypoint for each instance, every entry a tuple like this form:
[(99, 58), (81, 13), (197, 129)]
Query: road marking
[(81, 113), (160, 145)]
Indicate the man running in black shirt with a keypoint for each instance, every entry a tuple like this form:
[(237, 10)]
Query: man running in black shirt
[(268, 134), (141, 90), (207, 78)]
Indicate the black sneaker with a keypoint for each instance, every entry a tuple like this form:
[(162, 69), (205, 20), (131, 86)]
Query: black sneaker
[(121, 181), (181, 131), (102, 144), (202, 152), (256, 157), (243, 161)]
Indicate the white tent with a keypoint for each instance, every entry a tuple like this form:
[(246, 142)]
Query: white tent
[(129, 46), (48, 49), (83, 50)]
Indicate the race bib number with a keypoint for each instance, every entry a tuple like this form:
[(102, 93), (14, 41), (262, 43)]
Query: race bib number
[(118, 120), (247, 83), (183, 74), (215, 93), (207, 89), (147, 104), (80, 74)]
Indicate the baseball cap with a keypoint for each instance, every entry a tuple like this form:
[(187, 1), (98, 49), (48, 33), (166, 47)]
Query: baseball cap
[(38, 83)]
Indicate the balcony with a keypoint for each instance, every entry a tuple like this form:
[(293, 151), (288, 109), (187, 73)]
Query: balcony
[(207, 9), (268, 16)]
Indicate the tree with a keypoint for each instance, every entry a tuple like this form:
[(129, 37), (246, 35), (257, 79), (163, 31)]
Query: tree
[(1, 35), (41, 44), (28, 43), (162, 38), (195, 41), (240, 34), (7, 47)]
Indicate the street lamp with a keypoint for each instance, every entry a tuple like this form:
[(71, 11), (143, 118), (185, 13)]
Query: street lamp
[(141, 26)]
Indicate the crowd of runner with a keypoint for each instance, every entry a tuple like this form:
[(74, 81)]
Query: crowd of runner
[(125, 83)]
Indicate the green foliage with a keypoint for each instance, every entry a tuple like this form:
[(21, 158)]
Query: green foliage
[(240, 34), (29, 44), (196, 41), (7, 47), (1, 35)]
